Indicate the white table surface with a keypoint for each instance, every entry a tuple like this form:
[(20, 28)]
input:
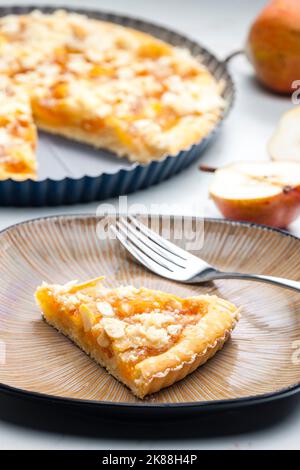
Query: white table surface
[(221, 25)]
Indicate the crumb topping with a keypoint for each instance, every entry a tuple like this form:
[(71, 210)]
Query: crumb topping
[(136, 323)]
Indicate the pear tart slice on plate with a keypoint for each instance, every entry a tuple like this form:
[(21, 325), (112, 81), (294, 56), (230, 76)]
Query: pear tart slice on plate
[(147, 339)]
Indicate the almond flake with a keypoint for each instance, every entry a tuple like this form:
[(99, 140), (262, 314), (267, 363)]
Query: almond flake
[(87, 317), (102, 339), (105, 309), (113, 327)]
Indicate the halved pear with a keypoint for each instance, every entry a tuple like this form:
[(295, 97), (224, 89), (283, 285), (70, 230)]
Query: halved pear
[(285, 142), (262, 192)]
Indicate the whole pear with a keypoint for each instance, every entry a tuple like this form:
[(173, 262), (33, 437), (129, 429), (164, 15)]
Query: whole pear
[(273, 45)]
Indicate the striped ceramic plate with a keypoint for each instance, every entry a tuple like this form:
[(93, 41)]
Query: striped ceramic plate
[(71, 173), (261, 362)]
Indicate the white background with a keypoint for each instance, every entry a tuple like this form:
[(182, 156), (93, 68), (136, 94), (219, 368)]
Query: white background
[(221, 25)]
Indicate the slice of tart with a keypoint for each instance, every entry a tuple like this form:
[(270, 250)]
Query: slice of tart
[(146, 339)]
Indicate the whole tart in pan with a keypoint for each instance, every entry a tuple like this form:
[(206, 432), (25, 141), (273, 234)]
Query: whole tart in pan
[(142, 95)]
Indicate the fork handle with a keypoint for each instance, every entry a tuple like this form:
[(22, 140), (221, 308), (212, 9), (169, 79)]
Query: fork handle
[(277, 281)]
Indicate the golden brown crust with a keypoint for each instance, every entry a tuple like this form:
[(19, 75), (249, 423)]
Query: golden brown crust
[(173, 375), (200, 343), (186, 133)]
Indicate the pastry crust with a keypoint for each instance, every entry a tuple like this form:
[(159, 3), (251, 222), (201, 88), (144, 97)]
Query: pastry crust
[(108, 85), (146, 339)]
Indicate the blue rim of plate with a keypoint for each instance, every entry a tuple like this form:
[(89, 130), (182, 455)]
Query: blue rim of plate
[(152, 409), (55, 192)]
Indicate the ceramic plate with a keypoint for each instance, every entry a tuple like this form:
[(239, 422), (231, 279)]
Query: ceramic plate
[(261, 361)]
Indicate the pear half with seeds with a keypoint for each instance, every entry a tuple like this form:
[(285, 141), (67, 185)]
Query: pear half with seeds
[(261, 192)]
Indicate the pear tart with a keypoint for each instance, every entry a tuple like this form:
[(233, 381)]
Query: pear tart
[(146, 339), (109, 85)]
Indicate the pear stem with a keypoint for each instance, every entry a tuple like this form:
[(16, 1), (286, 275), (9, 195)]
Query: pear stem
[(207, 168)]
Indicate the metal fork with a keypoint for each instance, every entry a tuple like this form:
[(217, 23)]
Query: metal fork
[(168, 260)]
